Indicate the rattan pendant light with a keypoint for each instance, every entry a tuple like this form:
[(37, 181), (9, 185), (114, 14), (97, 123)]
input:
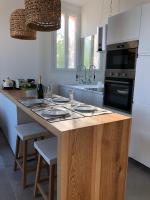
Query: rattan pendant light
[(18, 28), (43, 15)]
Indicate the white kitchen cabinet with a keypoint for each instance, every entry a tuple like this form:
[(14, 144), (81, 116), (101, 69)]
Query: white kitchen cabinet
[(140, 138), (142, 81), (124, 26), (144, 42), (10, 117)]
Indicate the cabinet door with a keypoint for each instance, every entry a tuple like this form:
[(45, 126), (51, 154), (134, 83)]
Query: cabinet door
[(144, 44), (142, 81), (8, 114), (140, 137), (64, 91), (124, 27)]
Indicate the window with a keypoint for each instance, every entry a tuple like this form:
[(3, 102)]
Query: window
[(96, 55), (90, 56), (66, 42), (87, 52), (72, 42), (61, 44)]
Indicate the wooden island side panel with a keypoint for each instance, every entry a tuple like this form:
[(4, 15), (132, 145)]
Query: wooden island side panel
[(93, 162)]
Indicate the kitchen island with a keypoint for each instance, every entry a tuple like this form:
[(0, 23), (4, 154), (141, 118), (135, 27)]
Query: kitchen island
[(92, 153)]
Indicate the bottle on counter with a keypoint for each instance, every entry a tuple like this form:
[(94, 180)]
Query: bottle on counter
[(40, 89)]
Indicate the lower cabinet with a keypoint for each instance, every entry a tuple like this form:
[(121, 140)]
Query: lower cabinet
[(140, 137), (10, 117), (85, 96)]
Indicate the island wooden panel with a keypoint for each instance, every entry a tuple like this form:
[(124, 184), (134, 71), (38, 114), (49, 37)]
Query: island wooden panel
[(92, 154), (93, 162)]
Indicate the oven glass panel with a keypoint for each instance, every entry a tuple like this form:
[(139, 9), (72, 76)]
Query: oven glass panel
[(118, 95), (121, 59)]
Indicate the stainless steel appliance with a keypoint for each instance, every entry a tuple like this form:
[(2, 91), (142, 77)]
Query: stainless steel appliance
[(122, 55), (120, 75), (118, 93)]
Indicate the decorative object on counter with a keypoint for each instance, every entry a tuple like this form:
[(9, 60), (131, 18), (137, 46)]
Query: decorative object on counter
[(30, 89), (18, 28), (85, 75), (40, 89), (8, 84), (43, 15), (19, 83)]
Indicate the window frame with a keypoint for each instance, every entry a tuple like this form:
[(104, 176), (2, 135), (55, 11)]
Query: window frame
[(67, 11)]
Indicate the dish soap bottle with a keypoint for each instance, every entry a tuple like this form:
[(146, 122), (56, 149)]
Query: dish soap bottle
[(40, 89)]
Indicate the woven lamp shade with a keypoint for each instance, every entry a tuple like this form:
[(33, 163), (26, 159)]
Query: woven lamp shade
[(18, 28), (43, 15)]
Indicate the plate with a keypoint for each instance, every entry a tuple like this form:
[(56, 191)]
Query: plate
[(33, 102), (85, 108), (55, 113), (61, 100)]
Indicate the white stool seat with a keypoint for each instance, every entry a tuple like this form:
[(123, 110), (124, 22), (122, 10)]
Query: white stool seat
[(47, 149), (30, 131)]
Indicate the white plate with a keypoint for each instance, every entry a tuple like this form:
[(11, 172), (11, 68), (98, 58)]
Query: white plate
[(85, 108), (32, 102), (61, 100), (55, 113)]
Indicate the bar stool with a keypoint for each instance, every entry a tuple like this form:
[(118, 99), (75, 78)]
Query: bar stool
[(47, 150), (25, 133)]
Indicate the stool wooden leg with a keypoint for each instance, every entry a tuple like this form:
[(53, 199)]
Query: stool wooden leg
[(24, 180), (38, 173), (17, 152), (51, 182)]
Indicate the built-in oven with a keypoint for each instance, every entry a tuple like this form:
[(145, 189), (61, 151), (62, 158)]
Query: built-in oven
[(118, 94), (120, 75), (122, 55)]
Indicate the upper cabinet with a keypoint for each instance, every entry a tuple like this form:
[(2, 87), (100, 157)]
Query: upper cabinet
[(124, 27), (144, 44)]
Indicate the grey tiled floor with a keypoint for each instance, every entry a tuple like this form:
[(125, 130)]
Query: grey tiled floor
[(138, 184)]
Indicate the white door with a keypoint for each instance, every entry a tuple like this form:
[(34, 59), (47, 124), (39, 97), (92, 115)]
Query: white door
[(144, 44), (124, 27)]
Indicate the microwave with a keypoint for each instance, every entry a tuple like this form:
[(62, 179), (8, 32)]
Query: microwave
[(122, 56)]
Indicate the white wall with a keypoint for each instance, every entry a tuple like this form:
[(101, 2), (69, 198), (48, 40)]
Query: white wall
[(18, 59), (96, 12)]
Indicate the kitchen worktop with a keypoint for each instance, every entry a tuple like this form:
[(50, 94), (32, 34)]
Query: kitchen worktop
[(16, 95), (92, 153), (87, 88)]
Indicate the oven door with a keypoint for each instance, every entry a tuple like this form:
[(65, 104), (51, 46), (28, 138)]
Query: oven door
[(119, 94), (121, 59)]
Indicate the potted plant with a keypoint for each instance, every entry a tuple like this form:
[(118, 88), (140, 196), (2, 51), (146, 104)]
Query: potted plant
[(30, 89)]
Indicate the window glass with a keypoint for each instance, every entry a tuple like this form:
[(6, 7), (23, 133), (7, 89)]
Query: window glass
[(96, 55), (61, 44), (87, 52), (71, 42)]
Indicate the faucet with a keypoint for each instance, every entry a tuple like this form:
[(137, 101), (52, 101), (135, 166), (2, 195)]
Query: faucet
[(89, 75)]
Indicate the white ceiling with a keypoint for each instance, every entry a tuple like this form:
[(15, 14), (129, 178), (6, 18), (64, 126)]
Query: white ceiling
[(76, 2)]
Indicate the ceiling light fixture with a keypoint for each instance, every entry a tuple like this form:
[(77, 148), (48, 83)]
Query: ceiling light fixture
[(18, 28), (43, 15)]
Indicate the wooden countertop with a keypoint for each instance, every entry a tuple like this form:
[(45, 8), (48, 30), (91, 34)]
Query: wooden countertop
[(62, 126), (92, 153)]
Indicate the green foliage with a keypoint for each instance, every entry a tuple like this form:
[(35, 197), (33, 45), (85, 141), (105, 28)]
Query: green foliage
[(30, 86), (60, 50), (87, 52)]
